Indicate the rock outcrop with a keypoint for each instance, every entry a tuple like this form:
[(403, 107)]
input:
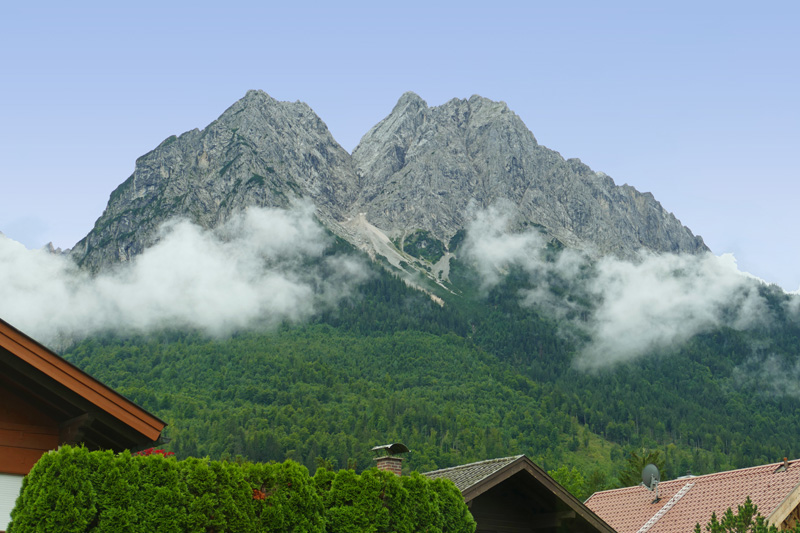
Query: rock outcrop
[(419, 169), (259, 152), (429, 168)]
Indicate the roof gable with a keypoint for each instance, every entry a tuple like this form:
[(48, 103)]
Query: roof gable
[(476, 479), (468, 478), (86, 410)]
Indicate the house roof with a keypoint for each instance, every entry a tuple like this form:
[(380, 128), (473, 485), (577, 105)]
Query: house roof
[(468, 476), (86, 410), (687, 501), (523, 475)]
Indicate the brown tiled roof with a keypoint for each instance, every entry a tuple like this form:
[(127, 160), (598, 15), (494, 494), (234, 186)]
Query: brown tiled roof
[(687, 501), (466, 476)]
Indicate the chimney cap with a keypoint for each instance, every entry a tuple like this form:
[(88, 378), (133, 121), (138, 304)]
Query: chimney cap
[(390, 449)]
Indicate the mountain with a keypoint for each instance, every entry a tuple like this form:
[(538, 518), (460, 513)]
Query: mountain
[(426, 168), (259, 152), (420, 169), (694, 361)]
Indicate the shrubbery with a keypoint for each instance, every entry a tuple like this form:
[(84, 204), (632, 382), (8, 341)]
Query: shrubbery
[(422, 245), (75, 490)]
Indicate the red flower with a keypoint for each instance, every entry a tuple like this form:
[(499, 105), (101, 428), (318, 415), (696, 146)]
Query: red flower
[(151, 451)]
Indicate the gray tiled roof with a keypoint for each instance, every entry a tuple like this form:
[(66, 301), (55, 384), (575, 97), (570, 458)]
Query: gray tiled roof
[(465, 476)]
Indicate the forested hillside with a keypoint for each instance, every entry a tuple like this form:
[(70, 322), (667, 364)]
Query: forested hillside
[(480, 377)]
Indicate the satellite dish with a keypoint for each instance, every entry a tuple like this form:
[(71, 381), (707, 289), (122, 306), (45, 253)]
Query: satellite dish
[(650, 477)]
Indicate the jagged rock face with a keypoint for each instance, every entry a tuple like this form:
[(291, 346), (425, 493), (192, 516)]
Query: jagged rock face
[(259, 152), (420, 168), (428, 168)]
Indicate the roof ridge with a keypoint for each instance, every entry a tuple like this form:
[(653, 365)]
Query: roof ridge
[(742, 470), (485, 461)]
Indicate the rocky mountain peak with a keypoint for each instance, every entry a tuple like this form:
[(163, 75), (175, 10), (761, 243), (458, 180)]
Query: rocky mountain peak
[(374, 152), (260, 152), (409, 100), (480, 104), (419, 169), (427, 169)]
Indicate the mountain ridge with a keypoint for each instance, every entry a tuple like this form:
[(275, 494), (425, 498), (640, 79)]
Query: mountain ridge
[(266, 153), (484, 149), (206, 175), (385, 362)]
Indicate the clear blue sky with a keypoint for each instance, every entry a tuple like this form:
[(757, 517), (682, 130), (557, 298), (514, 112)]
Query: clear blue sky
[(696, 102)]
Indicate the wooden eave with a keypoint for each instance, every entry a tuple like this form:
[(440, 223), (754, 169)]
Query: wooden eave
[(524, 464), (786, 507), (63, 389)]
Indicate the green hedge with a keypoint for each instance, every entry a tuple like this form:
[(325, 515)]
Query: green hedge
[(75, 490)]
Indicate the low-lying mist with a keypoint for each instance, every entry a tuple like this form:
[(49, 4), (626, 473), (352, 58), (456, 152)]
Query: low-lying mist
[(637, 307), (268, 266), (261, 268)]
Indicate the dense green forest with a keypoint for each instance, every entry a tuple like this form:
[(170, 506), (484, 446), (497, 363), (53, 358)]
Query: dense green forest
[(478, 377)]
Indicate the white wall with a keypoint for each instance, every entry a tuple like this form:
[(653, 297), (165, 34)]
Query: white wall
[(9, 490)]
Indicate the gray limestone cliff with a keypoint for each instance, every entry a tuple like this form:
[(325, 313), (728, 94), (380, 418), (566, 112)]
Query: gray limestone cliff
[(420, 168), (429, 168), (259, 152)]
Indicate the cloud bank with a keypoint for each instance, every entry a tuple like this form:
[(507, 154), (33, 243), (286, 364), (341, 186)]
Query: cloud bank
[(770, 374), (639, 307), (266, 266), (664, 300), (261, 268)]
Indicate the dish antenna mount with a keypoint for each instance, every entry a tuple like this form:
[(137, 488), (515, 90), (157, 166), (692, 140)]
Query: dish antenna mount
[(650, 479)]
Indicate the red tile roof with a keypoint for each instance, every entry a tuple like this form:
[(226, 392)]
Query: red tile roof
[(685, 502)]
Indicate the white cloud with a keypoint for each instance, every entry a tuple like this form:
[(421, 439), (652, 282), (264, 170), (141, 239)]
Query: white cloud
[(493, 248), (252, 271), (640, 307), (662, 301), (768, 374)]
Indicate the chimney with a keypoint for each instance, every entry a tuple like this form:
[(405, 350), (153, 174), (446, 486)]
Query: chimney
[(387, 459), (390, 464)]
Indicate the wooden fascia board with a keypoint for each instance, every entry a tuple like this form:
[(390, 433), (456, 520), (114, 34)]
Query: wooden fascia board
[(574, 503), (40, 390), (523, 463), (786, 507), (72, 412), (70, 376)]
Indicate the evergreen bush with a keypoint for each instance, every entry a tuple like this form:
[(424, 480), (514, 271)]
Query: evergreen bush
[(73, 490)]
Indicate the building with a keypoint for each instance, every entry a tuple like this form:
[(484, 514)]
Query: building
[(46, 402), (514, 495), (687, 501)]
